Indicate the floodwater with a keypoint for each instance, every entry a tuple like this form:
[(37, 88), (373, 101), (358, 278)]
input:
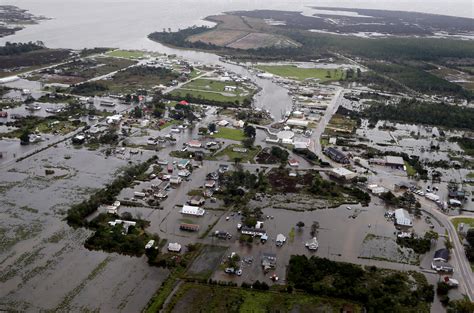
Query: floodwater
[(43, 264)]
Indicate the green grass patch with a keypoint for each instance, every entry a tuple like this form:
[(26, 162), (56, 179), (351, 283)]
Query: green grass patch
[(244, 157), (230, 133), (466, 220), (168, 124), (127, 54), (291, 235), (298, 73), (214, 90), (410, 170), (207, 298)]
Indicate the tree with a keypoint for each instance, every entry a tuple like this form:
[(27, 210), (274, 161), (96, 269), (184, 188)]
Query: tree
[(249, 131), (461, 306), (137, 112), (25, 137), (314, 228), (431, 235), (248, 142), (300, 225), (212, 127)]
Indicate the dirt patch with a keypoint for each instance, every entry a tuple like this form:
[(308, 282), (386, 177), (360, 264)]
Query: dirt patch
[(261, 40), (219, 37)]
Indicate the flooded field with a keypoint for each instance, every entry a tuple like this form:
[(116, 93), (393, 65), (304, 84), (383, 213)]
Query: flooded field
[(44, 263)]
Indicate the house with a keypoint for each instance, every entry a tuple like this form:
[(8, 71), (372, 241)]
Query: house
[(252, 231), (182, 164), (312, 244), (210, 184), (78, 139), (125, 225), (280, 240), (297, 123), (3, 114), (174, 247), (300, 145), (442, 266), (189, 227), (441, 255), (222, 234), (175, 180), (194, 144), (268, 261), (114, 119), (402, 218), (196, 200), (162, 162), (113, 209), (192, 210), (161, 195), (223, 123), (336, 155), (342, 173), (239, 124), (293, 163), (230, 88), (297, 114), (394, 161), (184, 173), (183, 102)]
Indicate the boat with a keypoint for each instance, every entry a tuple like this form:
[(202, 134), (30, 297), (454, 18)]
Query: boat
[(52, 110), (32, 107), (312, 244), (106, 103)]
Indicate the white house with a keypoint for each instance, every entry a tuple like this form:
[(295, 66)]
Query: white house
[(239, 124), (402, 218), (174, 247), (280, 239), (192, 210), (342, 173), (230, 88), (175, 180), (223, 123), (296, 122), (194, 144)]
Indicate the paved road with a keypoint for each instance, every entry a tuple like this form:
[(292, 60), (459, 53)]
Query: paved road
[(461, 262), (323, 122)]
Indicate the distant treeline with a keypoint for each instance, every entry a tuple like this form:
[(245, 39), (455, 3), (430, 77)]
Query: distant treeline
[(13, 48), (413, 111), (419, 80), (426, 49), (178, 38)]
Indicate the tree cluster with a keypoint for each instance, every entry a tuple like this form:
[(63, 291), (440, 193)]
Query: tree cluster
[(377, 290)]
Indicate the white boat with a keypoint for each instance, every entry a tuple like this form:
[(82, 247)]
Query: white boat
[(312, 244), (32, 107), (52, 110)]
